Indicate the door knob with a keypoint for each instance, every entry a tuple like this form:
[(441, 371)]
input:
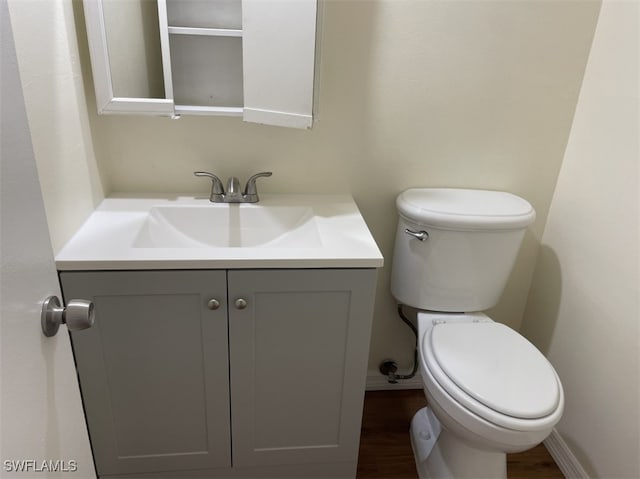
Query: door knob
[(213, 304), (77, 315), (241, 303)]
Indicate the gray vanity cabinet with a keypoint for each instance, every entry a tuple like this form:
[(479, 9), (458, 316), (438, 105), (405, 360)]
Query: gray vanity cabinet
[(269, 384)]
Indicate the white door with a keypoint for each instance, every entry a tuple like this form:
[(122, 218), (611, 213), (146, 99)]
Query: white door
[(43, 432)]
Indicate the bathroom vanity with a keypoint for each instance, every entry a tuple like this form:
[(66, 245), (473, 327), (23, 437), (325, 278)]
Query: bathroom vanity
[(236, 348)]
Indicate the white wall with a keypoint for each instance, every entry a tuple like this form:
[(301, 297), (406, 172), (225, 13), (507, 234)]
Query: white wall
[(583, 310), (49, 62), (412, 93)]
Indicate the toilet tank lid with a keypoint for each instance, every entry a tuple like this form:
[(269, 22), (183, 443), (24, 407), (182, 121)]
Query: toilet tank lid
[(465, 209)]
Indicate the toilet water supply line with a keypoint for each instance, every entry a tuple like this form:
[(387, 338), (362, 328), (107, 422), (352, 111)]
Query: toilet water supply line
[(392, 377)]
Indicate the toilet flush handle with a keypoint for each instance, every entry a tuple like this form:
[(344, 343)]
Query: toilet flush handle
[(421, 235)]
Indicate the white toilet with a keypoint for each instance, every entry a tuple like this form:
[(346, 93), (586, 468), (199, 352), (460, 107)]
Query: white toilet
[(489, 390)]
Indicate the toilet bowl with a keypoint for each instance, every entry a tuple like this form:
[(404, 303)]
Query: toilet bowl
[(489, 390)]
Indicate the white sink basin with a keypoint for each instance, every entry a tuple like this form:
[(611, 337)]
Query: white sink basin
[(281, 231), (228, 225)]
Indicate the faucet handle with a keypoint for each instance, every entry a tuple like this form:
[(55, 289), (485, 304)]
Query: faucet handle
[(250, 188), (217, 190)]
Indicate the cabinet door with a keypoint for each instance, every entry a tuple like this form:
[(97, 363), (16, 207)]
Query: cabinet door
[(278, 56), (299, 352), (126, 59), (154, 369)]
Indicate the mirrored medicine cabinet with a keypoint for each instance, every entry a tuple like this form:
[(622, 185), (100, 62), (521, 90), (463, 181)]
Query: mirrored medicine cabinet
[(250, 58)]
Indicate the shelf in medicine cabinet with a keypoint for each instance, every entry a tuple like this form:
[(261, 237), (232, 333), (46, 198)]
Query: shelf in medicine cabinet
[(223, 14), (212, 32), (208, 110)]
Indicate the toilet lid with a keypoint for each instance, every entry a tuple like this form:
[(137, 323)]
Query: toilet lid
[(464, 209), (495, 366)]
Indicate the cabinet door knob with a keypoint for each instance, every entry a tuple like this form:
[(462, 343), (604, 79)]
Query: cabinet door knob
[(240, 303), (213, 304)]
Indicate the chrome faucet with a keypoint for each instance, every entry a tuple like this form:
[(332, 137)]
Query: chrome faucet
[(233, 193)]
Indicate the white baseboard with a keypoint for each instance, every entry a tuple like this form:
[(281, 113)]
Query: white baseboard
[(566, 461), (378, 382)]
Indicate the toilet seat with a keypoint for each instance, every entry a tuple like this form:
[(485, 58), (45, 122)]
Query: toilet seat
[(495, 373)]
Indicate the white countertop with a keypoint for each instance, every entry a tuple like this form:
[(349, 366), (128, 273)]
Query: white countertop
[(116, 236)]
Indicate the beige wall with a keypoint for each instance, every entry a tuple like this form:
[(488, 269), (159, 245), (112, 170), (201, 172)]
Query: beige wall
[(49, 61), (412, 93), (583, 310)]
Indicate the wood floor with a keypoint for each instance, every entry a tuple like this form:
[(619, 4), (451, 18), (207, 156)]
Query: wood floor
[(385, 448)]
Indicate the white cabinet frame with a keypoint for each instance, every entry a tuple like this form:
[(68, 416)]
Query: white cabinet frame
[(107, 102)]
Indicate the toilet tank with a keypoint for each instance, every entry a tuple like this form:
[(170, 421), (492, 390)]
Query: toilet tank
[(464, 263)]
